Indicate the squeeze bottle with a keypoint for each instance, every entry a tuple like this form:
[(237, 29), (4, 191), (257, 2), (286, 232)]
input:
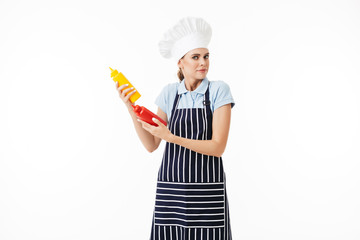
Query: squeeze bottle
[(146, 115), (119, 77)]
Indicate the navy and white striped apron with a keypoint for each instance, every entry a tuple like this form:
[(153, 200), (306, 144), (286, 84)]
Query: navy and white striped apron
[(191, 201)]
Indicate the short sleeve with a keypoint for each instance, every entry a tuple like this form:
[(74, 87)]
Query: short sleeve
[(162, 100), (166, 98), (222, 94)]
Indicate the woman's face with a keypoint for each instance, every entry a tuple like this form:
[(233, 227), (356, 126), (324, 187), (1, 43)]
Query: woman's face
[(195, 64)]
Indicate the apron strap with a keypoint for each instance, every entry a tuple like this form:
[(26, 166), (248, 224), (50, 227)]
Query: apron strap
[(206, 101), (175, 104)]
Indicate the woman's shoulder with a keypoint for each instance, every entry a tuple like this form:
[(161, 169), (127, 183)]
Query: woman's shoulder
[(220, 94), (168, 92), (166, 97), (218, 85), (170, 88)]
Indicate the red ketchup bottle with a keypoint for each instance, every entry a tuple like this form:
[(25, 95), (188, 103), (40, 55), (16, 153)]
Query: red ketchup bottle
[(146, 115)]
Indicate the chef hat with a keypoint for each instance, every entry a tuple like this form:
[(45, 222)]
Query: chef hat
[(188, 34)]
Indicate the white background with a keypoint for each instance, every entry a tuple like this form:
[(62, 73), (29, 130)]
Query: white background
[(72, 167)]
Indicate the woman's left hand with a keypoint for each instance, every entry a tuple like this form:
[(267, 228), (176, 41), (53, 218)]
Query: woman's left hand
[(160, 131)]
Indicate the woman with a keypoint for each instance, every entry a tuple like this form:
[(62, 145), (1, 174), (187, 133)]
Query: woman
[(191, 201)]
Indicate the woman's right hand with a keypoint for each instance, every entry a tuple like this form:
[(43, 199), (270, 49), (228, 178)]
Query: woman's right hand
[(125, 94)]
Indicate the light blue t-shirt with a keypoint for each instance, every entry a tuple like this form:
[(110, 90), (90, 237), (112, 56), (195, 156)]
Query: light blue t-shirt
[(219, 95)]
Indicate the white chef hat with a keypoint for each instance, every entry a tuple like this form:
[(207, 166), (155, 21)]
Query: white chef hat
[(188, 34)]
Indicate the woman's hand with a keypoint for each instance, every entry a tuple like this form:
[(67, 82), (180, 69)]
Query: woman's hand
[(125, 94), (160, 131)]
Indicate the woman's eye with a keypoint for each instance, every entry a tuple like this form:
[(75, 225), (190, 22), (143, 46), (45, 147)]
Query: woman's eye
[(206, 57), (195, 57)]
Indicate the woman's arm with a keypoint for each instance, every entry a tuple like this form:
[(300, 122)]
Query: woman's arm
[(150, 142), (214, 147)]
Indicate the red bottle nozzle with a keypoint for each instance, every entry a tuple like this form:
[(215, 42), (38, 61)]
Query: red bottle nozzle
[(136, 108)]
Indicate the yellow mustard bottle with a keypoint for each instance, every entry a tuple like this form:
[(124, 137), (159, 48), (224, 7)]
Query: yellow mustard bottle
[(121, 79)]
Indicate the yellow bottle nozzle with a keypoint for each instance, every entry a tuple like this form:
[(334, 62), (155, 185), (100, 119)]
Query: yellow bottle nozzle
[(113, 72)]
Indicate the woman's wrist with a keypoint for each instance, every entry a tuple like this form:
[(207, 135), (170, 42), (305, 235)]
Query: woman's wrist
[(170, 138), (129, 108)]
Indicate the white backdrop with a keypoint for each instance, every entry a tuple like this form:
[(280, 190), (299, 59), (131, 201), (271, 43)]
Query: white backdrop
[(71, 166)]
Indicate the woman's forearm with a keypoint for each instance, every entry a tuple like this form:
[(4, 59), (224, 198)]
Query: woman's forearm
[(208, 147), (220, 131)]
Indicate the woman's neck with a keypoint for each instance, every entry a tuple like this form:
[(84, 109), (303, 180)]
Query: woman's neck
[(192, 84)]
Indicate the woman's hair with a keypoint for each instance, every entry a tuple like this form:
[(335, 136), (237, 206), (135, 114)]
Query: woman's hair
[(180, 75)]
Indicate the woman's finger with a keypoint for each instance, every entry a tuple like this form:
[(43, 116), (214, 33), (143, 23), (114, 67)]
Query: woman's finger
[(126, 91), (145, 125), (157, 121), (129, 95), (121, 87)]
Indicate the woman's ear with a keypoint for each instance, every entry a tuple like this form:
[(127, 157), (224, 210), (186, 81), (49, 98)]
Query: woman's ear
[(179, 63)]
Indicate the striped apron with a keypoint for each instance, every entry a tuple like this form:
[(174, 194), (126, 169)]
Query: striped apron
[(191, 201)]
